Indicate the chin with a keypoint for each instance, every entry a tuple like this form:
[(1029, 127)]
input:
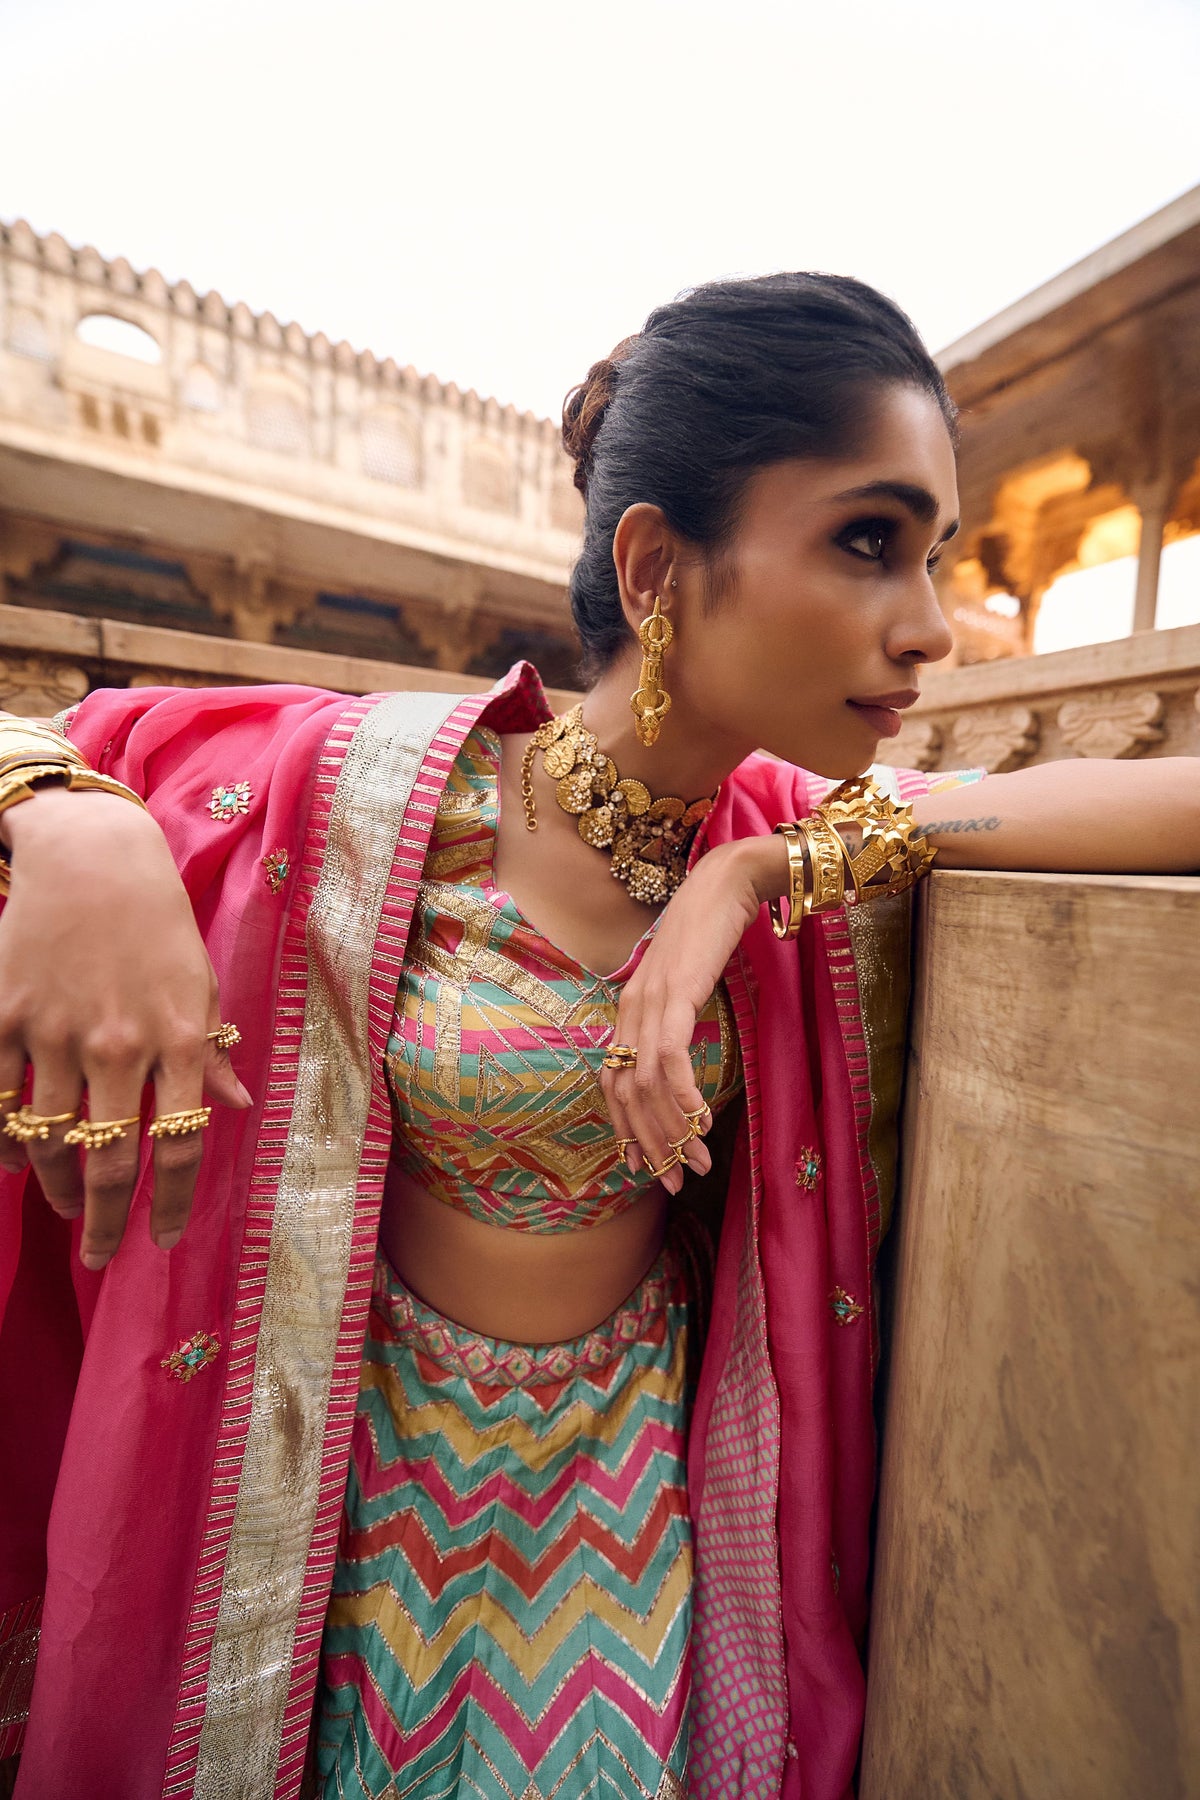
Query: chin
[(833, 761)]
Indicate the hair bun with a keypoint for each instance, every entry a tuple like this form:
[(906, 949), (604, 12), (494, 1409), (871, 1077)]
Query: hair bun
[(584, 409)]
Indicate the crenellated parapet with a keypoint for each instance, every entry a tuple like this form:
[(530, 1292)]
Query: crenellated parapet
[(280, 464)]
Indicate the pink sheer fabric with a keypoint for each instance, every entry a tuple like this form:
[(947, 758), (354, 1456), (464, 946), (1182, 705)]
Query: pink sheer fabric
[(122, 1487)]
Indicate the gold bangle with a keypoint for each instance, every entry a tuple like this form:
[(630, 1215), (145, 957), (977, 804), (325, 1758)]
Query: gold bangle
[(33, 741), (894, 853), (826, 859), (797, 855), (20, 783)]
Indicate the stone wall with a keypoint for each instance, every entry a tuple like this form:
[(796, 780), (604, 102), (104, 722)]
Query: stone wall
[(1035, 1631)]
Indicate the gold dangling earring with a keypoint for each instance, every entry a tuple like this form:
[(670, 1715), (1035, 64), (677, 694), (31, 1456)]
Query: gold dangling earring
[(652, 702)]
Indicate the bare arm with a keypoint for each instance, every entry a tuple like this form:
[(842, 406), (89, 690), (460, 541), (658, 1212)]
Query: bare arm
[(1085, 817), (1081, 816)]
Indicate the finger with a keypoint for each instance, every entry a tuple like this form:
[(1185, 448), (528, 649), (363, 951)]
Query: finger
[(57, 1089), (116, 1086), (614, 1085), (13, 1071), (640, 1094), (665, 1092), (622, 1129), (220, 1078), (178, 1088)]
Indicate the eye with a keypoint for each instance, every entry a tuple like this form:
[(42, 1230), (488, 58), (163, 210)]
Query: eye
[(876, 534)]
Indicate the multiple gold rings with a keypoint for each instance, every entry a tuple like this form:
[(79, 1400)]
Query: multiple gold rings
[(98, 1134), (620, 1056), (26, 1126), (179, 1124), (225, 1037)]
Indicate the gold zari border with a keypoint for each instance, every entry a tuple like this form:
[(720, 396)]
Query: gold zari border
[(309, 1259), (881, 943)]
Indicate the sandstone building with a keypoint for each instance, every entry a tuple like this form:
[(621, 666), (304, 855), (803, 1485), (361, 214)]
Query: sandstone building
[(191, 493)]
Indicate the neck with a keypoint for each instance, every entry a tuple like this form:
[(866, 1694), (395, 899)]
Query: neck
[(691, 759)]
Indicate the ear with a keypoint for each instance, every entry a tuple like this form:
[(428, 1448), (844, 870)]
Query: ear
[(646, 553)]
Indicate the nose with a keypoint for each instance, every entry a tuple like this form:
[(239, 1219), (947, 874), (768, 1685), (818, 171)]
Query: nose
[(921, 632)]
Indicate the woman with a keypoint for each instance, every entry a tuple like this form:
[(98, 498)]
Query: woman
[(511, 1546)]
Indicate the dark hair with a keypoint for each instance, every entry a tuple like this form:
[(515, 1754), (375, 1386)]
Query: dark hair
[(729, 378)]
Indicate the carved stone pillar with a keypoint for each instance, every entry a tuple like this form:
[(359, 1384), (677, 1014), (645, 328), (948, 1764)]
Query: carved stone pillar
[(455, 633), (1154, 504), (24, 544), (246, 592)]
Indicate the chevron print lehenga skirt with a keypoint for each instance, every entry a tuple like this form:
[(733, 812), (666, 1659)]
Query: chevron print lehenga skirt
[(511, 1607)]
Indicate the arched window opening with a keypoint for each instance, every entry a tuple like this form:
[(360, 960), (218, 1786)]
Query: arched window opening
[(104, 331)]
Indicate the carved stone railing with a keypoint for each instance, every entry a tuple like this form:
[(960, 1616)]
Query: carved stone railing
[(50, 660), (1138, 697), (1134, 697), (1034, 1622)]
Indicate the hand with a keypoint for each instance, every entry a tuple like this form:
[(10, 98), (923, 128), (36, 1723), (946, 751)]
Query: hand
[(699, 931), (105, 984)]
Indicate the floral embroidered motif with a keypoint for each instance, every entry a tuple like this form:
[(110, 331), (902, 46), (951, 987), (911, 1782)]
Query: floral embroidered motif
[(232, 798), (844, 1306), (195, 1353), (278, 868), (808, 1169)]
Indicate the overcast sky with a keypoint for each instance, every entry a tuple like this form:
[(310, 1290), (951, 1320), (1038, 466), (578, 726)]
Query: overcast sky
[(497, 193)]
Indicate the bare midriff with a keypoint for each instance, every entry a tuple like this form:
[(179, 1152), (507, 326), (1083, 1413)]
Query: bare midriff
[(525, 1287)]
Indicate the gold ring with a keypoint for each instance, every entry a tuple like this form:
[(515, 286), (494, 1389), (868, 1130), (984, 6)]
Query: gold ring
[(225, 1037), (98, 1134), (694, 1118), (672, 1162), (11, 1094), (622, 1146), (678, 1147), (620, 1056), (179, 1124), (25, 1125)]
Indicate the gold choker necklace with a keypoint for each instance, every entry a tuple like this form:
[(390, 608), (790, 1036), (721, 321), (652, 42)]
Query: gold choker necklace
[(650, 840)]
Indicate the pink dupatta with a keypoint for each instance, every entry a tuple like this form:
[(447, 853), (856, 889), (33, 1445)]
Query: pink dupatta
[(184, 1531)]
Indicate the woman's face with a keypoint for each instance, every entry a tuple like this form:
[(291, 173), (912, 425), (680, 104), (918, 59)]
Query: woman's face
[(829, 602)]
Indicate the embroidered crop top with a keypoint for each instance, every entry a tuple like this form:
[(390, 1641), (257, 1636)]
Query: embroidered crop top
[(498, 1036)]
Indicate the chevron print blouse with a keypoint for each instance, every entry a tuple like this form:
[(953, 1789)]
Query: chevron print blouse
[(498, 1034)]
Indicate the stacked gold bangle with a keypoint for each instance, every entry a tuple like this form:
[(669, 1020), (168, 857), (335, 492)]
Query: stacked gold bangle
[(32, 754), (891, 855)]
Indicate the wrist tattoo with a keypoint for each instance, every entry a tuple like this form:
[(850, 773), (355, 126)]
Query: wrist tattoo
[(947, 825)]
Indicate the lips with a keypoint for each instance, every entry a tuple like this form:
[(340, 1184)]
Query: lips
[(882, 711)]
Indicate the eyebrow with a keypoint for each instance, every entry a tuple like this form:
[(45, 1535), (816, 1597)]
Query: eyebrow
[(916, 500)]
